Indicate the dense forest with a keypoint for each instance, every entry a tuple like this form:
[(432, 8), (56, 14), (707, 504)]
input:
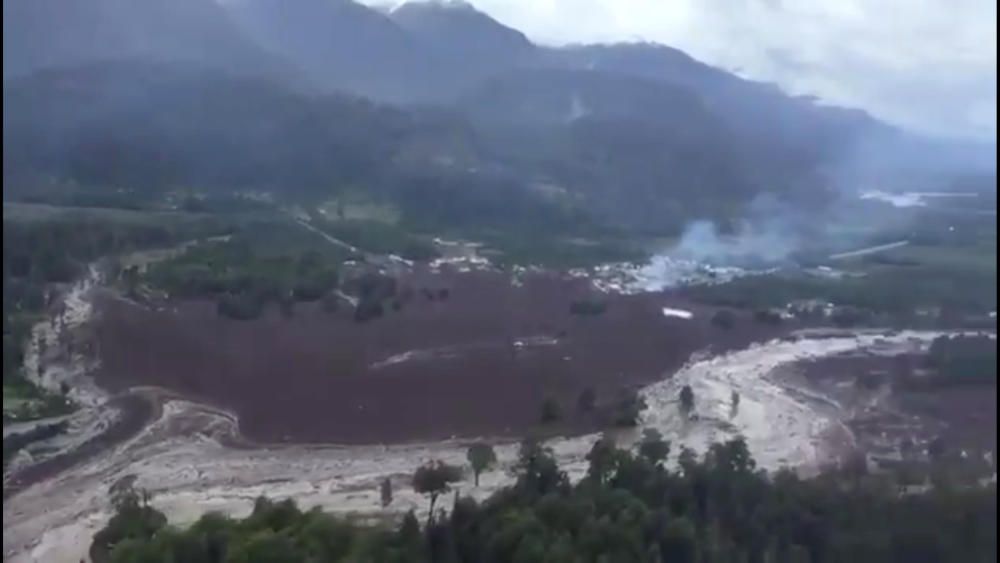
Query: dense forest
[(163, 127), (630, 507), (963, 360)]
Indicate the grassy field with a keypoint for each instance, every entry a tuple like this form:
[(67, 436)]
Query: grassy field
[(975, 258), (962, 279), (949, 262)]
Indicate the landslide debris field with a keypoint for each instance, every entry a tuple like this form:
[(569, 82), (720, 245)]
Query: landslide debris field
[(901, 407), (463, 354), (305, 399), (185, 458)]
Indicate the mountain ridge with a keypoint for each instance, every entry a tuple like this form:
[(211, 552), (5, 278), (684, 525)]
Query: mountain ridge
[(642, 133)]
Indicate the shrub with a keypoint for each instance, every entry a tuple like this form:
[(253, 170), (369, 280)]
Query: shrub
[(551, 411), (765, 316), (367, 310), (586, 308), (240, 307), (724, 319), (587, 400)]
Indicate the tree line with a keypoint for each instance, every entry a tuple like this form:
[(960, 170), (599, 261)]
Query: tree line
[(38, 253), (243, 278), (963, 359), (638, 505)]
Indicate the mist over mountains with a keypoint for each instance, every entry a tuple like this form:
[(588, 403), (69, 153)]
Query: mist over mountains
[(309, 96)]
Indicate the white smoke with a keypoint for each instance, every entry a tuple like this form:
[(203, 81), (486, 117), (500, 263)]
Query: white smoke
[(769, 242), (769, 233)]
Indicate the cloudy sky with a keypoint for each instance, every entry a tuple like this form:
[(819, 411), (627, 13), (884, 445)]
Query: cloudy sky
[(926, 64)]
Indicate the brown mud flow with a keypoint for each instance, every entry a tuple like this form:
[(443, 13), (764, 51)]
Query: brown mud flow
[(460, 355), (889, 407)]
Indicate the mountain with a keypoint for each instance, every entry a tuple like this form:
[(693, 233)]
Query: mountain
[(640, 152), (138, 126), (556, 95), (339, 43), (449, 25), (458, 35), (777, 127), (163, 125), (739, 100), (39, 34), (417, 52), (642, 134)]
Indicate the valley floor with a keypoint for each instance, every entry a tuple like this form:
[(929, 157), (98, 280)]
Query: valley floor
[(150, 419), (187, 458)]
